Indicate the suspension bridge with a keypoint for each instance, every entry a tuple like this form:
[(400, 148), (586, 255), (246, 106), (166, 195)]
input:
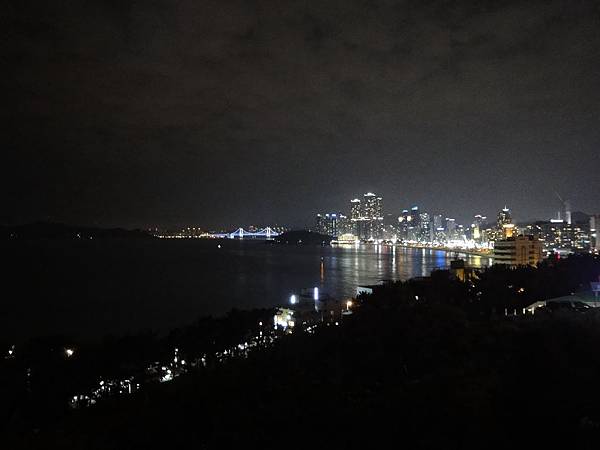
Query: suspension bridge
[(240, 233)]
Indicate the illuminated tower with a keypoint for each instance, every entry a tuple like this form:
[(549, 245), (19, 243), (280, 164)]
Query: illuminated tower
[(477, 226), (372, 216), (355, 217), (567, 205), (505, 226), (403, 224), (595, 232)]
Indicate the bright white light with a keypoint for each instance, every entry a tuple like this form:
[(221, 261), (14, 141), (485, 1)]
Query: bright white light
[(316, 293), (293, 299), (348, 304), (69, 352)]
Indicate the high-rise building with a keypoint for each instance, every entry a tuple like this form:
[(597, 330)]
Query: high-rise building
[(438, 233), (390, 227), (518, 251), (567, 206), (367, 215), (504, 225), (595, 232), (477, 233), (504, 217), (425, 228), (355, 216), (451, 232), (355, 211), (320, 224), (560, 237), (344, 225), (416, 216), (403, 224), (329, 224), (413, 222)]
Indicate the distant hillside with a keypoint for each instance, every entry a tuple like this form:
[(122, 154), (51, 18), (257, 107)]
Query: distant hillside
[(303, 237), (45, 230)]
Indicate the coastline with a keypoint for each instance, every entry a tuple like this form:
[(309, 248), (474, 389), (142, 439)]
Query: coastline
[(451, 250), (425, 247)]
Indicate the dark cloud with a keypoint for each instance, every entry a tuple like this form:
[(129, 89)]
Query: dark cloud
[(229, 112)]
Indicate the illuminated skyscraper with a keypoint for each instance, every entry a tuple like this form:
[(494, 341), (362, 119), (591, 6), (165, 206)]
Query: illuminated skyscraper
[(320, 224), (477, 228), (504, 217), (372, 215), (330, 224), (403, 224), (366, 217), (343, 225), (567, 206), (595, 232), (451, 232), (355, 217), (414, 221), (439, 232), (425, 228), (505, 226), (355, 209)]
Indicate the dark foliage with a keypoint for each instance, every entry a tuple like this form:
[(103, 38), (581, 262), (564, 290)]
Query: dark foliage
[(417, 366)]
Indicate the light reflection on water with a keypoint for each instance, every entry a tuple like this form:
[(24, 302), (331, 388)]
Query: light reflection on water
[(116, 286), (352, 265)]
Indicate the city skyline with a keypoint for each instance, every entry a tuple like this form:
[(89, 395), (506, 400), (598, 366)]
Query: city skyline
[(306, 218), (366, 220), (132, 114), (466, 218)]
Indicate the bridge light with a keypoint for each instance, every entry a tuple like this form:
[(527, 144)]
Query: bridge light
[(316, 293)]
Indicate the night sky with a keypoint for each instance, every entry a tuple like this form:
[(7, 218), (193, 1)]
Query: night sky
[(223, 113)]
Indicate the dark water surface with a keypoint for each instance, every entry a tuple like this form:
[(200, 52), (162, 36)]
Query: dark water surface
[(114, 286)]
